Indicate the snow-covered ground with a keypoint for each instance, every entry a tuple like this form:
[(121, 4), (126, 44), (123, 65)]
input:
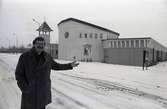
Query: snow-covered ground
[(93, 86)]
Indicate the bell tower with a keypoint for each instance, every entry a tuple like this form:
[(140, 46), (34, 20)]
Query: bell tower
[(44, 31)]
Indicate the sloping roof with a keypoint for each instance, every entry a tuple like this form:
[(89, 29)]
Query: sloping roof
[(44, 27), (89, 24)]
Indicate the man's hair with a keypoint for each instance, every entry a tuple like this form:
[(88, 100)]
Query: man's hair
[(38, 39)]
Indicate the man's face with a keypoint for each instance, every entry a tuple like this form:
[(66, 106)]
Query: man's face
[(39, 46)]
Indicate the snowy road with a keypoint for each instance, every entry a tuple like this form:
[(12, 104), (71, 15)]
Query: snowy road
[(79, 89), (9, 93), (98, 94)]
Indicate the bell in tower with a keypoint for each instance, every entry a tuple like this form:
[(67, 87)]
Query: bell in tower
[(44, 31)]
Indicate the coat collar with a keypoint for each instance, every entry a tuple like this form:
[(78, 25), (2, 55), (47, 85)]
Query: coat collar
[(33, 53)]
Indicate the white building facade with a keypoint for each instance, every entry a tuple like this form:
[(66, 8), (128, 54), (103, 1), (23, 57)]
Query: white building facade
[(82, 41)]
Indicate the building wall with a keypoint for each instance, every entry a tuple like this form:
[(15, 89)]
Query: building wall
[(54, 50), (73, 46), (129, 51), (158, 51), (124, 56), (156, 55)]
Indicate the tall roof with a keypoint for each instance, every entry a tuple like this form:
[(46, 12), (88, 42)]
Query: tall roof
[(44, 27), (89, 24)]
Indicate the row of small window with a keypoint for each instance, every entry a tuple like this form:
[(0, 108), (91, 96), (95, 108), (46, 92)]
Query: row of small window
[(86, 35), (127, 44), (91, 35)]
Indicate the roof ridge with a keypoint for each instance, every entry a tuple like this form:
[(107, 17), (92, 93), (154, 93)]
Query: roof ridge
[(86, 23)]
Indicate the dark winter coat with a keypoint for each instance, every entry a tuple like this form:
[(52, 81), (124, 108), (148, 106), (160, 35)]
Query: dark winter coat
[(33, 78)]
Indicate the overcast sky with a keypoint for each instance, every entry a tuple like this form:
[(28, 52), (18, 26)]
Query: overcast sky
[(131, 18)]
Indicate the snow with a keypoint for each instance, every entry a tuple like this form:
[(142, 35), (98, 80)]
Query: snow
[(93, 86)]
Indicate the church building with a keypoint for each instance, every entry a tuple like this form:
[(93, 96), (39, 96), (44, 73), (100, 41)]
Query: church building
[(82, 41)]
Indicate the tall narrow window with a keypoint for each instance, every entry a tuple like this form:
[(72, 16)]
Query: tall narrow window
[(137, 43), (85, 35), (132, 43), (115, 44), (101, 36), (119, 44), (95, 35), (91, 35), (127, 44), (141, 43), (80, 35), (111, 44), (123, 44)]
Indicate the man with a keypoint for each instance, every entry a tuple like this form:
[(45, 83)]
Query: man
[(33, 75)]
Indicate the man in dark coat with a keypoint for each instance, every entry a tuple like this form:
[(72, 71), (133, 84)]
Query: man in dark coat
[(33, 75)]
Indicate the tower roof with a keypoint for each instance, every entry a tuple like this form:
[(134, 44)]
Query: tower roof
[(44, 27)]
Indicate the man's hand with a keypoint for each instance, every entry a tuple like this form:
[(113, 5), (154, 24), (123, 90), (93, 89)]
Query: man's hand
[(74, 64)]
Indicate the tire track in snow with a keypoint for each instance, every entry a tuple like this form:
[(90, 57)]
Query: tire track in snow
[(94, 93), (60, 100), (111, 86), (100, 98)]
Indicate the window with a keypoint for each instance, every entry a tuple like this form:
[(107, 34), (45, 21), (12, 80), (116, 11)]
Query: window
[(95, 35), (111, 44), (66, 34), (132, 43), (123, 44), (80, 35), (137, 43), (115, 44), (91, 35), (127, 44), (119, 44), (146, 42), (141, 43), (85, 35), (101, 36)]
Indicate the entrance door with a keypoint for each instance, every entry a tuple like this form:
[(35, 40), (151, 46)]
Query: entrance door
[(87, 53)]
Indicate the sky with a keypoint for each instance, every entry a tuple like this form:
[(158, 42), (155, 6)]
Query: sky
[(130, 18)]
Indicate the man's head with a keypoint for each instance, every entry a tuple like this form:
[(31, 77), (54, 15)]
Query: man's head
[(39, 44)]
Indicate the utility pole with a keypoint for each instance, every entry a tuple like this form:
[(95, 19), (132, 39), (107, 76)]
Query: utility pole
[(16, 43), (16, 40), (8, 42), (37, 23)]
